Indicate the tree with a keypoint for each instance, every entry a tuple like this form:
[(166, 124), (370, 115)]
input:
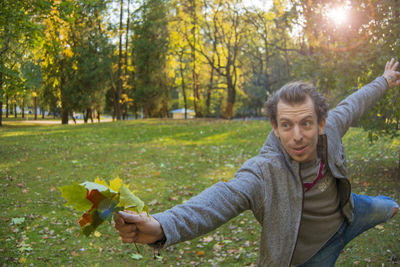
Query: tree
[(19, 31), (32, 77), (77, 56), (223, 32), (150, 53)]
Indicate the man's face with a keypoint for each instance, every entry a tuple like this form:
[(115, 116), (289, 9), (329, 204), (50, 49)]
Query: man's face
[(298, 129)]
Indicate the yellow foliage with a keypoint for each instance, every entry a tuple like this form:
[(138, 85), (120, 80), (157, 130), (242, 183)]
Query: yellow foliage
[(68, 52), (116, 184), (100, 181), (97, 234)]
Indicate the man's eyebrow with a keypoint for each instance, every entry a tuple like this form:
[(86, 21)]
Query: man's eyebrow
[(288, 118), (284, 119), (307, 117)]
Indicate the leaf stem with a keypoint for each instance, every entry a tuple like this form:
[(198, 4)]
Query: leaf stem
[(137, 249)]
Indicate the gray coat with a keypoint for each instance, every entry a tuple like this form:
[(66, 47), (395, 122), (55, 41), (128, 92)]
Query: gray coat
[(269, 185)]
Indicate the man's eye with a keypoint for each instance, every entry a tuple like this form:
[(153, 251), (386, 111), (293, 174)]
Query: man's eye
[(285, 125), (307, 124)]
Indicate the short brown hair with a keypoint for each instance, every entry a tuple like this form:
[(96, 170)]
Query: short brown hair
[(295, 93)]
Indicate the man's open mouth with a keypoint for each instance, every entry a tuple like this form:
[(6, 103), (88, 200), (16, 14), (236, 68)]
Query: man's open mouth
[(299, 150)]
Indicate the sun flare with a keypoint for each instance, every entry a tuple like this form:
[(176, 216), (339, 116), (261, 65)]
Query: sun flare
[(338, 15)]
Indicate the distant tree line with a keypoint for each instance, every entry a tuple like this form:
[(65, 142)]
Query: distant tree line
[(219, 58)]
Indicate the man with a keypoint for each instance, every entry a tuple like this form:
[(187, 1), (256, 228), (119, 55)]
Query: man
[(297, 186)]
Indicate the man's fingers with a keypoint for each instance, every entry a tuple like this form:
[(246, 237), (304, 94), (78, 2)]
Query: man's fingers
[(395, 66), (118, 219), (131, 217), (125, 227), (128, 235), (391, 62)]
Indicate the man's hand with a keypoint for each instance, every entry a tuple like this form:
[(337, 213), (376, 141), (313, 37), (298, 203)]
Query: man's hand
[(391, 75), (140, 228)]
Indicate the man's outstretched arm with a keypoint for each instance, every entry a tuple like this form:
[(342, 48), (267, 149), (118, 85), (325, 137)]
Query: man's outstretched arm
[(354, 106)]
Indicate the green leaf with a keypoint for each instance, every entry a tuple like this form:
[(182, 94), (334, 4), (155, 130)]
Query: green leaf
[(128, 200), (136, 256), (75, 195), (16, 221)]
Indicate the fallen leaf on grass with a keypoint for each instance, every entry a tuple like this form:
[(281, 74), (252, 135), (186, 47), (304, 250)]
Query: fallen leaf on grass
[(136, 256), (200, 253), (97, 234), (16, 221), (208, 239)]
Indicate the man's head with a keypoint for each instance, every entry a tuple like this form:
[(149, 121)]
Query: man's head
[(298, 114)]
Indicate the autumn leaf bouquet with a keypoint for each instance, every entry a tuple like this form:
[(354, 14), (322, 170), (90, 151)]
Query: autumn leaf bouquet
[(100, 201)]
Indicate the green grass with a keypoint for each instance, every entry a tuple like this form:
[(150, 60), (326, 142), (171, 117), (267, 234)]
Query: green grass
[(168, 162)]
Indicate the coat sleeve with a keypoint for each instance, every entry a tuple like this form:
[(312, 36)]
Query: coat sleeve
[(214, 206), (353, 107)]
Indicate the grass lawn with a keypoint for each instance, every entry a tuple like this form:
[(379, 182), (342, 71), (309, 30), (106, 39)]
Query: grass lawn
[(168, 162)]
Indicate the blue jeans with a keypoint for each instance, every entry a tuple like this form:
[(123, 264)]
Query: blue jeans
[(368, 212)]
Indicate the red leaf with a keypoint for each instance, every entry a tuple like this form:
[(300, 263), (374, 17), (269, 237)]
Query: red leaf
[(85, 219), (95, 197)]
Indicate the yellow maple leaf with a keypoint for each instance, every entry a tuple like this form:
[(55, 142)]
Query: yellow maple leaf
[(22, 260), (116, 184), (100, 181)]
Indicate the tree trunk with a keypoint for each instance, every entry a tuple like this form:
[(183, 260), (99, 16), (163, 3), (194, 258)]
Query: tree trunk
[(72, 116), (135, 110), (125, 111), (7, 106), (1, 112), (64, 116), (209, 89), (35, 106), (183, 83), (85, 116), (23, 108), (119, 80), (196, 95), (228, 114), (64, 109), (15, 108), (91, 115)]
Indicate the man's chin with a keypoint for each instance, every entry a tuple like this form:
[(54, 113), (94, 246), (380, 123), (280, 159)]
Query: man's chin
[(300, 159)]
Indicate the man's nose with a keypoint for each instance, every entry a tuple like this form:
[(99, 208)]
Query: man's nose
[(297, 134)]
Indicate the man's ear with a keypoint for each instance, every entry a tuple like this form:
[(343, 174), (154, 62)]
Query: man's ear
[(321, 126), (275, 128)]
